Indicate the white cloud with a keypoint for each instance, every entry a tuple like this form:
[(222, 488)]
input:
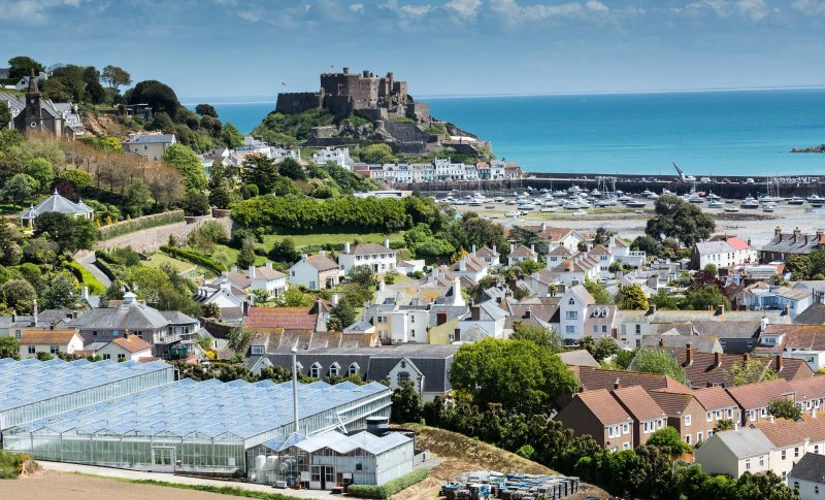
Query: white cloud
[(755, 10), (466, 8), (407, 10), (596, 6), (814, 7), (514, 13), (357, 7), (32, 11), (248, 15)]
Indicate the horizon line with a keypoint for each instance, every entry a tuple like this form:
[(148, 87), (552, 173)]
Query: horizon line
[(191, 101)]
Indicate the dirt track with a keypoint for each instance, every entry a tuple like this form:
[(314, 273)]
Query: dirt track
[(50, 485)]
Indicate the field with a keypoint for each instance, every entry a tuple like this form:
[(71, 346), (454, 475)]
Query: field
[(322, 238), (461, 454)]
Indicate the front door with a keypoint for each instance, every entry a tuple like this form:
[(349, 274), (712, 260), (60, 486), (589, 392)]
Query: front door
[(163, 459)]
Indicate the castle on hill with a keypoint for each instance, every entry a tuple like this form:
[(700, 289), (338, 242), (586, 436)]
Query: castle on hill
[(343, 93)]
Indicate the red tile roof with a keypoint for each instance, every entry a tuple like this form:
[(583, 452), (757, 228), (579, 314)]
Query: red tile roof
[(714, 398), (760, 395), (604, 406), (288, 318), (46, 337), (132, 344), (636, 401), (781, 432), (596, 378)]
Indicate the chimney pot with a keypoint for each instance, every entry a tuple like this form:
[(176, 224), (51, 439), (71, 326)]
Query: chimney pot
[(661, 342), (617, 384), (689, 353), (717, 358), (386, 242), (252, 272), (746, 356), (780, 363)]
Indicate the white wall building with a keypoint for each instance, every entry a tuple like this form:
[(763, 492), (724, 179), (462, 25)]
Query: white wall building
[(573, 313), (381, 259)]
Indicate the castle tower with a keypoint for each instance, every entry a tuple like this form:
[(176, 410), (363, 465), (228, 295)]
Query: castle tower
[(33, 111)]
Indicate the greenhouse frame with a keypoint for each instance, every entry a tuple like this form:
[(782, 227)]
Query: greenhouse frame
[(33, 389), (193, 426)]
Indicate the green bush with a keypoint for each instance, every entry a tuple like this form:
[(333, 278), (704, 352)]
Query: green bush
[(193, 257), (130, 226), (390, 488), (85, 277)]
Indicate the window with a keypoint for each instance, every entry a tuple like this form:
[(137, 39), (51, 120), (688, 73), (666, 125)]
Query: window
[(121, 357), (54, 349), (687, 420), (595, 328), (730, 412), (784, 454), (625, 428), (403, 377), (571, 302), (18, 334), (796, 484), (796, 452), (761, 462), (816, 489), (359, 466), (31, 349), (94, 333), (687, 438), (699, 437), (748, 464), (315, 371), (626, 446), (816, 449), (638, 329), (570, 329), (604, 328), (718, 414), (571, 315), (412, 319), (353, 369), (334, 369), (107, 357), (763, 412), (257, 350), (709, 416)]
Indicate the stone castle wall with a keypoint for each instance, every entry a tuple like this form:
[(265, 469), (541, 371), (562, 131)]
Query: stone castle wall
[(149, 240), (407, 132), (298, 102)]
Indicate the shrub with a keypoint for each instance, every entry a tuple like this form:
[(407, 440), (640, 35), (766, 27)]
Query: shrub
[(130, 226), (390, 488), (85, 277), (193, 257)]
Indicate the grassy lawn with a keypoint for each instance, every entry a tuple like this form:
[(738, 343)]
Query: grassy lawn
[(232, 254), (322, 238), (158, 259)]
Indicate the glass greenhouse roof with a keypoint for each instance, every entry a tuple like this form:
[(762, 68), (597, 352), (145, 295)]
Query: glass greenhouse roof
[(230, 411), (31, 381)]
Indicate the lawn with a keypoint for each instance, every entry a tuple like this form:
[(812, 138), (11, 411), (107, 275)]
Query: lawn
[(158, 259), (322, 238)]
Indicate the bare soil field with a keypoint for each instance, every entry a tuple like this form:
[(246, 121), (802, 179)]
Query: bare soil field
[(50, 485)]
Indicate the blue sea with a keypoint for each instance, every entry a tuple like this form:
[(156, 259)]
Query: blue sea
[(717, 133)]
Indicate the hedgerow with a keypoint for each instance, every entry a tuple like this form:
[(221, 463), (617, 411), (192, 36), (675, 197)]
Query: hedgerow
[(390, 488), (148, 222)]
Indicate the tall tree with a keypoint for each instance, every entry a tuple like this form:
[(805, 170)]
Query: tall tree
[(651, 360), (137, 198), (159, 96), (292, 169), (70, 233), (633, 298), (21, 66), (751, 371), (60, 294), (9, 347), (231, 137), (5, 115), (677, 218), (206, 110), (20, 188), (260, 171), (42, 171), (116, 76), (545, 337), (18, 295), (406, 404), (187, 163)]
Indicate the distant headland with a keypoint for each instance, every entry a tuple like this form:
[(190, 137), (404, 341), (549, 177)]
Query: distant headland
[(364, 109), (812, 149)]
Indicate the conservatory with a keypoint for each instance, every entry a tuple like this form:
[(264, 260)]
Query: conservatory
[(33, 389), (195, 426)]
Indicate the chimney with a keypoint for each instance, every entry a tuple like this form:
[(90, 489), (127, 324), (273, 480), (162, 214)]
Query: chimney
[(778, 232), (689, 353), (611, 242), (661, 343), (475, 313), (544, 226), (14, 316), (533, 247), (797, 234), (720, 310), (780, 363), (617, 384), (440, 318), (474, 249), (651, 310), (34, 312), (128, 298), (458, 299), (494, 248), (268, 265), (746, 357), (346, 247), (462, 265), (806, 240), (252, 272), (457, 335), (346, 70), (335, 298), (84, 292), (787, 311), (387, 243), (582, 388), (717, 359), (771, 419)]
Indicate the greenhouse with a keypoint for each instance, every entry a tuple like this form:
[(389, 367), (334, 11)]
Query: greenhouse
[(33, 389), (195, 426)]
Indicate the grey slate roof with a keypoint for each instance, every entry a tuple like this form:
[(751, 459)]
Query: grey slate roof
[(579, 358), (813, 315), (811, 467), (134, 316), (152, 139), (714, 247), (56, 203), (746, 442)]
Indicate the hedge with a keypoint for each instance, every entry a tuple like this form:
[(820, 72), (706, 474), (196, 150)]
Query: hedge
[(84, 276), (193, 257), (130, 226), (221, 490), (390, 488)]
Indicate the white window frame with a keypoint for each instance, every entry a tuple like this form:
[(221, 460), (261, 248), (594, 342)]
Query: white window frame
[(687, 420)]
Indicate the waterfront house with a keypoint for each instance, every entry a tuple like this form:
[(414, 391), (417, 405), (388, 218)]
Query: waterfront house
[(785, 244), (808, 477), (722, 251), (381, 259), (598, 414), (34, 342), (735, 452), (338, 156), (149, 145), (316, 272)]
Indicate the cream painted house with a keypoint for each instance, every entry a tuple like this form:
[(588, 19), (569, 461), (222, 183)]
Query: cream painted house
[(34, 342), (736, 452), (149, 145)]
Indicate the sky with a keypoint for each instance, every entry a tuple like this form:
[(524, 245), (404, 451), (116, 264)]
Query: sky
[(245, 48)]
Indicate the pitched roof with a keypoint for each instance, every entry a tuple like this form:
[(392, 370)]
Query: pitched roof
[(127, 316), (745, 442), (795, 338), (713, 247), (714, 398), (760, 395), (596, 378), (151, 139), (47, 337), (580, 357), (811, 467), (56, 203), (321, 262), (132, 344), (672, 403), (670, 342), (599, 250), (522, 251), (369, 248), (604, 406), (560, 251), (781, 432), (812, 426), (813, 315), (638, 403), (486, 251), (288, 318), (704, 370)]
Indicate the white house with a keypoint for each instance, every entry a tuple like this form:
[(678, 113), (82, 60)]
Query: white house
[(472, 267), (808, 476), (149, 145), (130, 348), (761, 296), (735, 452), (624, 255), (722, 251), (381, 259), (489, 255), (789, 443), (34, 342), (522, 253), (410, 267), (266, 279), (338, 156), (315, 272), (484, 320), (408, 325), (604, 256), (573, 309)]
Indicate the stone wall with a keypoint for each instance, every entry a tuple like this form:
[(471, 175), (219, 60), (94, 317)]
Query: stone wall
[(298, 102), (407, 132), (149, 240)]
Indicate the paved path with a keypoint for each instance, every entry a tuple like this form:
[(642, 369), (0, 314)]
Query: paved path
[(170, 478), (87, 262)]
